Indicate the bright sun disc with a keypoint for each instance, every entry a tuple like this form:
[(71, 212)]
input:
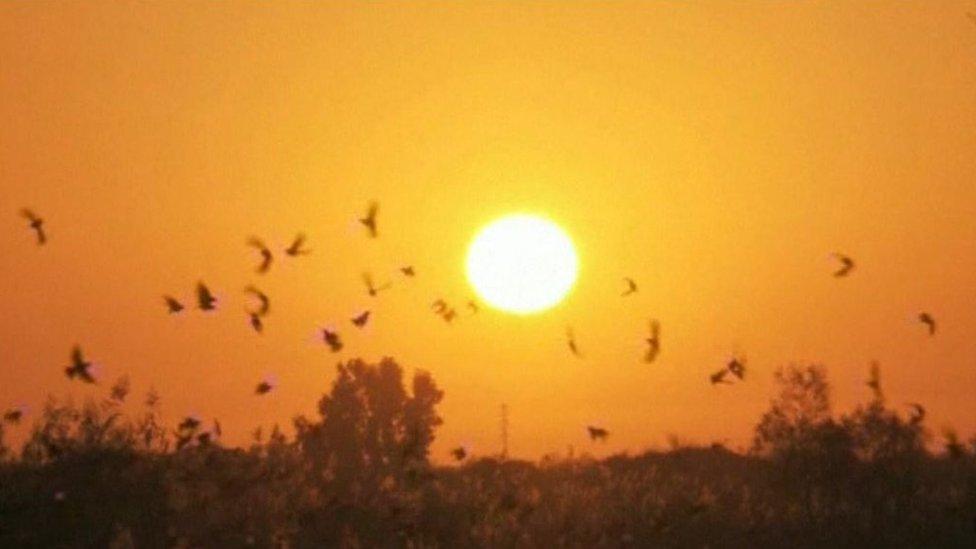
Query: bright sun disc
[(522, 264)]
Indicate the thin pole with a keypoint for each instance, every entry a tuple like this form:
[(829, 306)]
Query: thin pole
[(504, 431)]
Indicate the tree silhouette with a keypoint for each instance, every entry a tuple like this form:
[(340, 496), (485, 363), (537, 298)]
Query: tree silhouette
[(359, 475)]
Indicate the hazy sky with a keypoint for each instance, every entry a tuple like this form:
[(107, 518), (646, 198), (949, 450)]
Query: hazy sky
[(716, 152)]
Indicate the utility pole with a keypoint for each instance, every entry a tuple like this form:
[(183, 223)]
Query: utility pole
[(504, 431)]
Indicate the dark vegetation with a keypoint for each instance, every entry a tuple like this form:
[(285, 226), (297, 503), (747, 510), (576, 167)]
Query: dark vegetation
[(359, 475)]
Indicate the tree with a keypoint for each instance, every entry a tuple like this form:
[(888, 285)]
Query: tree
[(799, 420), (371, 431)]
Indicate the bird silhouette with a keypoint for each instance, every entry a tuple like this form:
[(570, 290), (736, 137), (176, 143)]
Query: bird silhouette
[(408, 271), (631, 287), (263, 388), (918, 413), (370, 220), (571, 342), (719, 376), (332, 339), (266, 255), (737, 367), (874, 379), (186, 430), (443, 310), (37, 224), (371, 288), (79, 368), (172, 305), (597, 433), (256, 323), (847, 265), (361, 319), (473, 307), (297, 246), (14, 415), (205, 299), (189, 423), (459, 453), (926, 318), (653, 342), (265, 303)]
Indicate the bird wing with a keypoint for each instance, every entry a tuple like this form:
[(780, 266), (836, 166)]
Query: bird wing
[(296, 244), (29, 214), (204, 298), (262, 297)]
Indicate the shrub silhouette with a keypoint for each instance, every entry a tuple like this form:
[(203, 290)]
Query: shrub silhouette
[(359, 475)]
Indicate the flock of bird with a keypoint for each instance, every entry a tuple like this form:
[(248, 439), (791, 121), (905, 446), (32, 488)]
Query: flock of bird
[(81, 369)]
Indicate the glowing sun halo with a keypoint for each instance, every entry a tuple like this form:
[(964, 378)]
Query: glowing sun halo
[(522, 264)]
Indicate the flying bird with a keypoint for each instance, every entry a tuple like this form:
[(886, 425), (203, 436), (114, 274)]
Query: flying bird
[(262, 299), (205, 299), (719, 376), (296, 249), (331, 338), (846, 265), (926, 318), (361, 319), (371, 288), (408, 271), (737, 367), (256, 323), (918, 413), (189, 423), (459, 453), (79, 368), (653, 342), (172, 305), (874, 379), (443, 310), (14, 415), (263, 388), (37, 224), (370, 220), (597, 433), (266, 256), (571, 342), (631, 287), (473, 307)]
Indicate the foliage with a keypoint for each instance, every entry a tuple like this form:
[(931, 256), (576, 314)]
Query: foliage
[(359, 475)]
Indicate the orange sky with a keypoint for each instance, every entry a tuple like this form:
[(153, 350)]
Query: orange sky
[(717, 152)]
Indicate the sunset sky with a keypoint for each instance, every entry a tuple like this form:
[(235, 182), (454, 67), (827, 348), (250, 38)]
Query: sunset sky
[(715, 152)]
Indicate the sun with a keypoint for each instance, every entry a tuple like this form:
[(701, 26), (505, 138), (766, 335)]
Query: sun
[(522, 264)]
